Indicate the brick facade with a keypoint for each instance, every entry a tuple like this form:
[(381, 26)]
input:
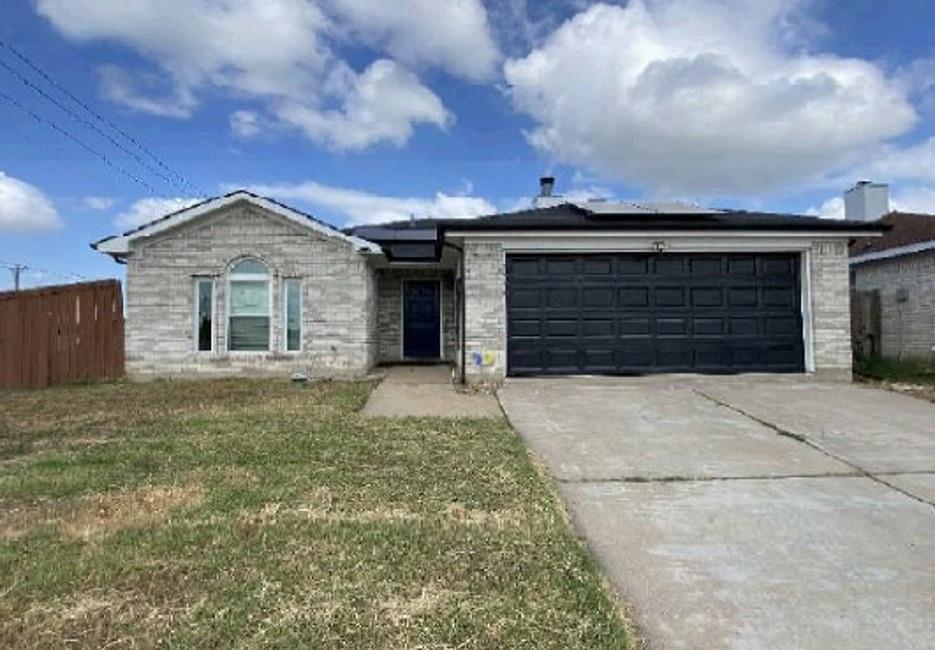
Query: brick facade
[(338, 291), (485, 312), (352, 312), (389, 311), (830, 309), (907, 326)]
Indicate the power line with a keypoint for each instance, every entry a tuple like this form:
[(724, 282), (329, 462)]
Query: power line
[(88, 124), (17, 268), (107, 161), (22, 57)]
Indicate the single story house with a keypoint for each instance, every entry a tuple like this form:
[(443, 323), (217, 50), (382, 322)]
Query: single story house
[(243, 283), (894, 286)]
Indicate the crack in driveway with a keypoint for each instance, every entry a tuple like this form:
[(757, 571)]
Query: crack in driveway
[(859, 470)]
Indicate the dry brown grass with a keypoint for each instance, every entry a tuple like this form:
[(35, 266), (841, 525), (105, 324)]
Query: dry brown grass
[(102, 514), (400, 609)]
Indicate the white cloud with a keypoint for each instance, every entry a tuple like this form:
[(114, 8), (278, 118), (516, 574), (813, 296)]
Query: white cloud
[(679, 100), (382, 104), (364, 207), (454, 36), (282, 52), (98, 202), (245, 124), (919, 199), (149, 209), (140, 91), (24, 207), (833, 208)]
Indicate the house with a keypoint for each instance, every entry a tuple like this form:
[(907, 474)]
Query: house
[(243, 283), (893, 278)]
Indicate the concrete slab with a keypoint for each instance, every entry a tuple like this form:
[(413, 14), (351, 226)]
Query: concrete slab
[(879, 430), (762, 540), (919, 485), (788, 563), (426, 391), (601, 431)]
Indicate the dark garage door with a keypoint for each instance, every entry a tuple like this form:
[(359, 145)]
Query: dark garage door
[(634, 313)]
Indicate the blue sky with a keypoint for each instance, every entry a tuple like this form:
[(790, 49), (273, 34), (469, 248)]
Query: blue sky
[(357, 110)]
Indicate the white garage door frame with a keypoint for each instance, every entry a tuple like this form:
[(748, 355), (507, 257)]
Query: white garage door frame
[(672, 242)]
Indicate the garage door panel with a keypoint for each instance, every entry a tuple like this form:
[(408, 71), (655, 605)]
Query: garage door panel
[(630, 327), (597, 297), (524, 298), (562, 359), (598, 266), (523, 328), (598, 327), (561, 328), (708, 326), (637, 313), (707, 297), (634, 297), (674, 355), (669, 327), (669, 297)]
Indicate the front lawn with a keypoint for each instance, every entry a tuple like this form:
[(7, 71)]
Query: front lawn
[(257, 513)]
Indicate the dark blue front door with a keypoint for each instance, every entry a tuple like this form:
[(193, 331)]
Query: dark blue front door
[(421, 328)]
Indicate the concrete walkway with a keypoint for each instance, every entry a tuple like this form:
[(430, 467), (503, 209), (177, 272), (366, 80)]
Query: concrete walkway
[(748, 512), (426, 391)]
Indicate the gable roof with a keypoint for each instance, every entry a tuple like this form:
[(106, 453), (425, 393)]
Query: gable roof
[(907, 233), (569, 216), (119, 245)]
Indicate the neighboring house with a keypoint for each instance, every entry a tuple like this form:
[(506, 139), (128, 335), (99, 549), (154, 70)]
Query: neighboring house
[(894, 283), (243, 283)]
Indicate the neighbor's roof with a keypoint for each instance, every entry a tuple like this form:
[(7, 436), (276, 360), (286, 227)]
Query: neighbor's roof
[(568, 216), (120, 244), (907, 233)]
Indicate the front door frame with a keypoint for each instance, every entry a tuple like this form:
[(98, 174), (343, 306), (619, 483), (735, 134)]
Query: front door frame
[(402, 319)]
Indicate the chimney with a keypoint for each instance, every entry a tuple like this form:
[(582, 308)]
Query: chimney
[(547, 198), (546, 185), (866, 201)]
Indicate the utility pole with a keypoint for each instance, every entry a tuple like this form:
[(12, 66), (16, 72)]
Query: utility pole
[(17, 269)]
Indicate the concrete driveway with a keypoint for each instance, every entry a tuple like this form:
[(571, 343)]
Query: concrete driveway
[(748, 512)]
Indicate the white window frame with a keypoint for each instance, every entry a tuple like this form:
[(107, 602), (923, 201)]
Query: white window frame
[(285, 314), (249, 277), (198, 280)]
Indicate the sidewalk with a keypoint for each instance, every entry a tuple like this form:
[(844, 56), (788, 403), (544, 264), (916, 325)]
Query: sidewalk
[(426, 391)]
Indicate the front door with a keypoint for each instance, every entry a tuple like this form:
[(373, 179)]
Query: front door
[(421, 327)]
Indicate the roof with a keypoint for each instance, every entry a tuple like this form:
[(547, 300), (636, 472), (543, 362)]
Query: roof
[(118, 245), (568, 216), (907, 233)]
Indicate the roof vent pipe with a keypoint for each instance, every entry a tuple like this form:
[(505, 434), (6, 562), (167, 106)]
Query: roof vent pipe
[(546, 185)]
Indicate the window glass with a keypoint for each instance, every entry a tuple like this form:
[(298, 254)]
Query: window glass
[(249, 307), (293, 301), (204, 296), (249, 267)]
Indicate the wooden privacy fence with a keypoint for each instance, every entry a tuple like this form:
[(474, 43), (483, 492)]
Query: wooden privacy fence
[(58, 334)]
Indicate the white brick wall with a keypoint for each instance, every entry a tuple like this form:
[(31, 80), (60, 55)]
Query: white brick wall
[(831, 311), (908, 328), (485, 312), (389, 311), (485, 326), (338, 288)]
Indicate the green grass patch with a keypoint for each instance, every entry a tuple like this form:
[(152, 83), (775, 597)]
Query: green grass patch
[(892, 370), (252, 513)]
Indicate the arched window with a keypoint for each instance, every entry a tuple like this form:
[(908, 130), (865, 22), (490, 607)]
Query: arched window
[(249, 307)]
